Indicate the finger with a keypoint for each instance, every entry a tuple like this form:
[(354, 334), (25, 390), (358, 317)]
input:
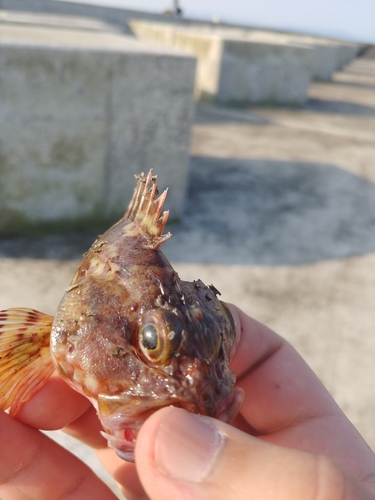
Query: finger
[(182, 456), (286, 403), (32, 466), (255, 342), (58, 406), (87, 428), (54, 406), (280, 389), (124, 473)]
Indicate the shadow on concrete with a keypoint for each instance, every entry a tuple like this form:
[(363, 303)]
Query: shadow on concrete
[(208, 113), (55, 246), (273, 213), (339, 107), (243, 211), (251, 212), (355, 84)]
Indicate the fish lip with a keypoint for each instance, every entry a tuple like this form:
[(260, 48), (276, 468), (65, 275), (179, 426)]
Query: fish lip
[(123, 448), (122, 417), (120, 431)]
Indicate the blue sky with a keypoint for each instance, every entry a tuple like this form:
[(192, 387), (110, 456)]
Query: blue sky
[(349, 19)]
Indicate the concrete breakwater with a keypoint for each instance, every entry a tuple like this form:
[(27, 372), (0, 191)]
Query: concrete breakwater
[(91, 95), (83, 108), (249, 66), (235, 70)]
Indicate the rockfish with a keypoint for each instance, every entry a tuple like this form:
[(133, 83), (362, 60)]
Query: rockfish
[(128, 334)]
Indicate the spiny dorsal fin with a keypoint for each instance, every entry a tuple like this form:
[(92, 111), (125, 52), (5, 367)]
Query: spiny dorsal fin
[(145, 208), (25, 359)]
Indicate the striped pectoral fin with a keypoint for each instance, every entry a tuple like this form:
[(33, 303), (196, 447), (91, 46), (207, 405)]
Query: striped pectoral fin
[(25, 359)]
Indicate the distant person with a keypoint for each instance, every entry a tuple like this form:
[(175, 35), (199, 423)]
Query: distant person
[(175, 11)]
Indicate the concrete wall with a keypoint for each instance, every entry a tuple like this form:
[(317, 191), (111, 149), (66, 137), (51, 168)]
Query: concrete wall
[(81, 112), (235, 70), (208, 51), (327, 55), (264, 72)]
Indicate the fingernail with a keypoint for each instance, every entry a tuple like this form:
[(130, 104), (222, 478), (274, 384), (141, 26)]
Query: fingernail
[(186, 447)]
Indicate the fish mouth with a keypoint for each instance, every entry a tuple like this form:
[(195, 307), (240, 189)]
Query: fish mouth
[(121, 434), (123, 448), (122, 422), (122, 417)]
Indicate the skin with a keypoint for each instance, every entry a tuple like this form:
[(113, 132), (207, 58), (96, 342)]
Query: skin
[(291, 441)]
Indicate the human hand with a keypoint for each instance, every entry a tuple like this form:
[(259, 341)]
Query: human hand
[(291, 441), (286, 407), (32, 466)]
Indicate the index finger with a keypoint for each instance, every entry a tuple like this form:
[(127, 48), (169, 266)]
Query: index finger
[(279, 386), (285, 402), (57, 406), (33, 466)]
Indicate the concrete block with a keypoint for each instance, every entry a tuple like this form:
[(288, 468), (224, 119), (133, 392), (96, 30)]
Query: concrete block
[(331, 55), (264, 72), (208, 51), (348, 51), (81, 111), (235, 70), (152, 105), (324, 55), (327, 55)]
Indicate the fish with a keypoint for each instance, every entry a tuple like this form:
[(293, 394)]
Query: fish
[(128, 334)]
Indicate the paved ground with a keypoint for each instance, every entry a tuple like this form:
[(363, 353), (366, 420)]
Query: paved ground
[(280, 217)]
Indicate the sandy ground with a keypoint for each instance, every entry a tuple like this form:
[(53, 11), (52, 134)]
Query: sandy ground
[(280, 217)]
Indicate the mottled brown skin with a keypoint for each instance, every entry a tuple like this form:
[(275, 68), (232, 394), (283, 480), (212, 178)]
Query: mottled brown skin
[(124, 291)]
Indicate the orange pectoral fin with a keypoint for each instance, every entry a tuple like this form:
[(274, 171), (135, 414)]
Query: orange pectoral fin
[(25, 359)]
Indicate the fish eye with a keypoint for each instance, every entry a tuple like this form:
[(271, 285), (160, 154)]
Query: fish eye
[(149, 337), (159, 335)]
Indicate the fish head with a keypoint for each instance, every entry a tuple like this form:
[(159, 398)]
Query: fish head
[(133, 337), (131, 361), (184, 362)]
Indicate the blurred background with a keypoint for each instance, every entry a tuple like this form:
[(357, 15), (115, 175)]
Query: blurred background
[(343, 19), (259, 116)]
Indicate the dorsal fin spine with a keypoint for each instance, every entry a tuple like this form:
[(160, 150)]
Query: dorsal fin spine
[(145, 208)]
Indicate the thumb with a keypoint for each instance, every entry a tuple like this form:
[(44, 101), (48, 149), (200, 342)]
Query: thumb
[(183, 456)]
